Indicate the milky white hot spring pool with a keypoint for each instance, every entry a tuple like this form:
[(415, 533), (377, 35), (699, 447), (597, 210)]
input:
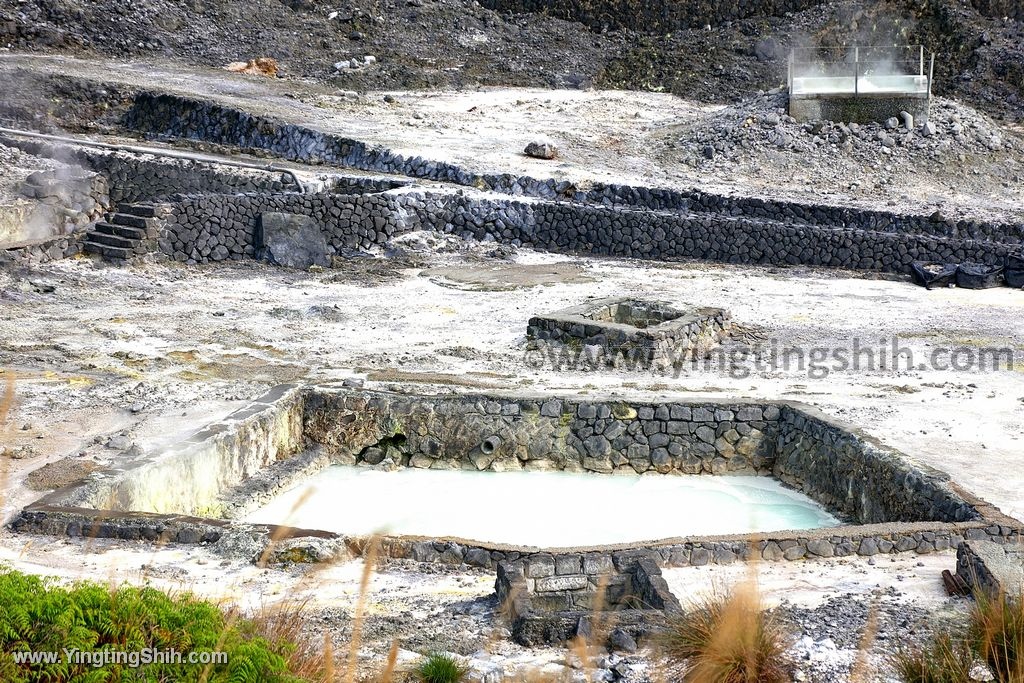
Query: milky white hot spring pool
[(546, 509)]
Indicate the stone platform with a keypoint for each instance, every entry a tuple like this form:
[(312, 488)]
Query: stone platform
[(635, 332)]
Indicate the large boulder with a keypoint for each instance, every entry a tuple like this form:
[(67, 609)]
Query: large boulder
[(768, 50), (541, 149), (291, 240)]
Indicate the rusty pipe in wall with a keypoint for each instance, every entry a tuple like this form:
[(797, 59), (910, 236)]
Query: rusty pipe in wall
[(271, 167)]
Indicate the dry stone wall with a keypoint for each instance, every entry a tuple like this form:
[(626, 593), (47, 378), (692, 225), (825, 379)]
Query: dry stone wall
[(134, 177), (219, 227), (197, 119), (289, 433), (32, 252), (491, 433), (665, 235), (848, 471)]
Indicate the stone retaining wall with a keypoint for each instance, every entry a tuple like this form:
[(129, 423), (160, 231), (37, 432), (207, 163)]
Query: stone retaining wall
[(292, 431), (851, 473), (991, 569), (197, 119), (503, 434), (218, 227), (34, 252), (615, 231), (134, 177)]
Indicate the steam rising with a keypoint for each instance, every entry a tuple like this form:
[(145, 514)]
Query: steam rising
[(856, 69)]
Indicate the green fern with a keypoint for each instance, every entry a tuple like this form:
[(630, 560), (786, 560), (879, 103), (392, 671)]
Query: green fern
[(41, 616)]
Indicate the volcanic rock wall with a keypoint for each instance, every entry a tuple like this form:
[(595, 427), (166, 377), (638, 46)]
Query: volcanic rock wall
[(609, 219)]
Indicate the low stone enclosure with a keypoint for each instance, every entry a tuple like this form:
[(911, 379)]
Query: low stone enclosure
[(197, 491), (189, 492), (553, 600), (633, 332), (219, 219), (991, 568)]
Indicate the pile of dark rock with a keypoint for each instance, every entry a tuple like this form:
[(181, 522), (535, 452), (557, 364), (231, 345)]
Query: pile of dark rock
[(762, 125)]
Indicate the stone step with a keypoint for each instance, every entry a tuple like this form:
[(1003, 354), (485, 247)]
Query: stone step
[(107, 251), (121, 231), (129, 220), (113, 240), (142, 210)]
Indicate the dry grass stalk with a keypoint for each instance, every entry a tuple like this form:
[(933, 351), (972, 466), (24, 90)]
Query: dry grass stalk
[(282, 530), (389, 669), (584, 648), (727, 637), (997, 625), (6, 402), (327, 657), (369, 560)]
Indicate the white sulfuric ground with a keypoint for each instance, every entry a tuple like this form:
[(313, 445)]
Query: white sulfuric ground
[(541, 509), (151, 352)]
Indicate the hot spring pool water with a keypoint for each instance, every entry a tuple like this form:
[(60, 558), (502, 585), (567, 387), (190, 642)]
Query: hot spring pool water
[(546, 509)]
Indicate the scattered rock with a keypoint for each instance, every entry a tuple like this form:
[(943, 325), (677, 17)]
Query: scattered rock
[(768, 50), (292, 241), (119, 443), (620, 641), (539, 149)]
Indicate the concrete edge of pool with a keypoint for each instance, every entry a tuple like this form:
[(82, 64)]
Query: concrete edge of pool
[(272, 429)]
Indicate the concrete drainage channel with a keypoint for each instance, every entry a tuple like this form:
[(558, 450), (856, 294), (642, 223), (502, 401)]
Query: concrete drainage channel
[(202, 490)]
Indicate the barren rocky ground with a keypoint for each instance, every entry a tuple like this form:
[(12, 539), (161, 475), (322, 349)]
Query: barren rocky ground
[(428, 44), (111, 360), (116, 359), (970, 167)]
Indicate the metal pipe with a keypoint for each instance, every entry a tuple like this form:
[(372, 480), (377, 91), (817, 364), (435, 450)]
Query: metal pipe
[(856, 70), (490, 444), (931, 75), (789, 79), (271, 167)]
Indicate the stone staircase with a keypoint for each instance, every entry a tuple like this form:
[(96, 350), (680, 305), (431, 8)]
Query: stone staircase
[(128, 232)]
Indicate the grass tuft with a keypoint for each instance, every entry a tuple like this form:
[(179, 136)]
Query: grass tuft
[(728, 638), (943, 660), (995, 636), (440, 668), (997, 631)]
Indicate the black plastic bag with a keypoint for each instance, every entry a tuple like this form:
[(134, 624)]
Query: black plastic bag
[(978, 276), (930, 275), (1015, 270)]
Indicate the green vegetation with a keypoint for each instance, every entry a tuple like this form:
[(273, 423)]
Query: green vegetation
[(39, 616), (729, 639), (440, 668)]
